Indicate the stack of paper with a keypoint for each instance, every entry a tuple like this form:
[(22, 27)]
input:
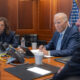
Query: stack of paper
[(37, 51), (39, 70)]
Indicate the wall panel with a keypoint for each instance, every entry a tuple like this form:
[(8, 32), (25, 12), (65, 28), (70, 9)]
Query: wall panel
[(44, 14), (27, 21), (64, 6), (33, 16), (46, 11), (4, 8), (13, 13), (25, 14)]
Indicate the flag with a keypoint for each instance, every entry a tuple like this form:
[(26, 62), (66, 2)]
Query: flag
[(78, 3), (74, 15)]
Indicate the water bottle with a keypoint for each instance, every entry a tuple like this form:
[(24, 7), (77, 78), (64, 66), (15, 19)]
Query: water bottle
[(22, 42)]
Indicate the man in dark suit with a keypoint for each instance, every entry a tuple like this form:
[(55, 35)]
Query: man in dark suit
[(71, 71), (64, 39)]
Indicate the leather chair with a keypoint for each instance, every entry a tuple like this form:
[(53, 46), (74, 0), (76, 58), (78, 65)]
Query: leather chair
[(29, 38)]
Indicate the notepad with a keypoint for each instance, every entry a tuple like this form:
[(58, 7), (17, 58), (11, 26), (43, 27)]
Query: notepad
[(35, 51), (19, 71), (39, 70)]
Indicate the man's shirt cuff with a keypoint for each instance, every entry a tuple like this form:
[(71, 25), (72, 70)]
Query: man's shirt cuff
[(48, 53)]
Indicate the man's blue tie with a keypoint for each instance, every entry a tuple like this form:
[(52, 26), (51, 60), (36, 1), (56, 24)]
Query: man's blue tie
[(58, 47)]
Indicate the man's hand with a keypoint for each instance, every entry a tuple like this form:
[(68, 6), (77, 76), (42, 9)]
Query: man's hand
[(41, 47), (45, 52)]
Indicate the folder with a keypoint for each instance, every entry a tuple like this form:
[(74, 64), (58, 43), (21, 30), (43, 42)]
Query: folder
[(24, 74)]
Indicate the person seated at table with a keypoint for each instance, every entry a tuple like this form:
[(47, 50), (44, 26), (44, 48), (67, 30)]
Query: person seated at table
[(71, 71), (6, 35), (64, 39)]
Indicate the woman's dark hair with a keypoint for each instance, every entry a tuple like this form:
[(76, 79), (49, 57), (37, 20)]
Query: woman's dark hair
[(7, 28)]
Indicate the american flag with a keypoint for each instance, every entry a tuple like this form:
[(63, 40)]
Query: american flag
[(74, 15)]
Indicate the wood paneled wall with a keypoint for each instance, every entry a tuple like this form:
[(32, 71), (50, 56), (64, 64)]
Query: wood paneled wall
[(45, 18), (64, 6), (33, 16)]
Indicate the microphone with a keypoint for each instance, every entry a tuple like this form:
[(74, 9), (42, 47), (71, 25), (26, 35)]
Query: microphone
[(2, 49), (5, 45)]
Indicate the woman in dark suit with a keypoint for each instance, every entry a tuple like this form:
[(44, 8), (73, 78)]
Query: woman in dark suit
[(6, 35)]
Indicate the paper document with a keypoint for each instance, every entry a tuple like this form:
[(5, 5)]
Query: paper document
[(37, 51), (2, 54), (39, 70), (48, 56)]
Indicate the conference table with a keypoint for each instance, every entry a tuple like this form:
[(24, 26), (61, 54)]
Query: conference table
[(4, 75)]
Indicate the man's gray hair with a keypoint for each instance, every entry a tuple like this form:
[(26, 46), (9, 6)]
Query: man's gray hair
[(63, 15)]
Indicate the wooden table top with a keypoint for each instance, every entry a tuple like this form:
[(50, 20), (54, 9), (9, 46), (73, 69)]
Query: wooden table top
[(7, 76)]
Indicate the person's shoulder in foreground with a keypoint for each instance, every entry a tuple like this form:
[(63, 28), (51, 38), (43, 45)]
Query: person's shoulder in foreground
[(71, 70)]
